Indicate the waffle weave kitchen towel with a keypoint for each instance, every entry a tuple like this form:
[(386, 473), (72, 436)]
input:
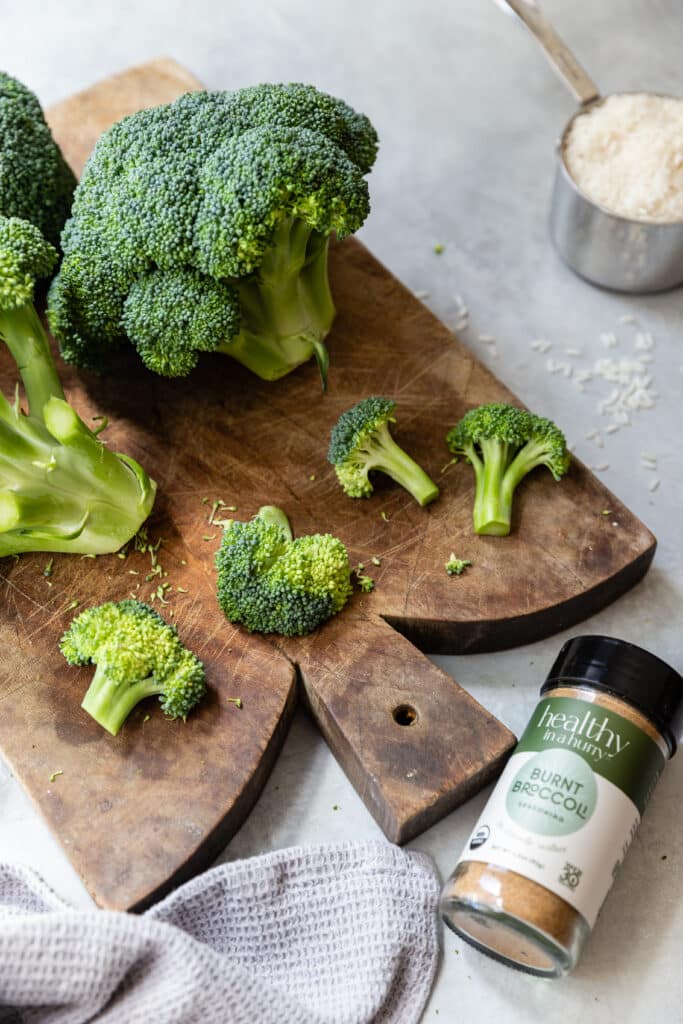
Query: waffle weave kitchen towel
[(342, 934)]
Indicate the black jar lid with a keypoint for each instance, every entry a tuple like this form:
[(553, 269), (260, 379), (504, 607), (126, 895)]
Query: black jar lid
[(626, 671)]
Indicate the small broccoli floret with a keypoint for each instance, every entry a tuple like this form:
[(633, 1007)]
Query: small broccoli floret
[(361, 442), (36, 184), (366, 583), (61, 489), (137, 654), (176, 314), (456, 566), (503, 444), (271, 583), (216, 199)]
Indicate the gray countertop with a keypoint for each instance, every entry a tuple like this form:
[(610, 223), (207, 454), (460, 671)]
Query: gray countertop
[(468, 113)]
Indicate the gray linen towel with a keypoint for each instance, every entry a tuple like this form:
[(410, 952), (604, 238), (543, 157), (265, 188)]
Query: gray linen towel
[(341, 934)]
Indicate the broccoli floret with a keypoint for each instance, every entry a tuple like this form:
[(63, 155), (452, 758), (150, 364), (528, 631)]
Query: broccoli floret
[(271, 583), (456, 566), (137, 654), (36, 183), (361, 442), (503, 444), (61, 489), (213, 213)]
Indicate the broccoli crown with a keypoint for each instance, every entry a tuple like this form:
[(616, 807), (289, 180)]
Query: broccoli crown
[(514, 428), (137, 654), (203, 190), (503, 444), (357, 425), (361, 442), (25, 256), (273, 584), (36, 184)]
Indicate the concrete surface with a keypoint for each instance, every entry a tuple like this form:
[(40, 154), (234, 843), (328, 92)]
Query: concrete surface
[(468, 113)]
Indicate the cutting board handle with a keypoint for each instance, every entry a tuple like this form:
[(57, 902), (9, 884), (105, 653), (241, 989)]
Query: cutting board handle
[(412, 741)]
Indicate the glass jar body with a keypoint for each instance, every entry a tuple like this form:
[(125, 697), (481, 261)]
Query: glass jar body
[(513, 915)]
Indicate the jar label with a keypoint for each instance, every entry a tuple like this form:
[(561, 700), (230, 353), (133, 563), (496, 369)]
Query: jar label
[(568, 804)]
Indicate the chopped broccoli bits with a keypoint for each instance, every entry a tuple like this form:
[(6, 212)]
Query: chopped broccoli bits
[(456, 566), (137, 654), (271, 583), (203, 226)]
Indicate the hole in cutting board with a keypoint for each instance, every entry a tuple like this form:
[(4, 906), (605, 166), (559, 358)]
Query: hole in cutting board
[(405, 714)]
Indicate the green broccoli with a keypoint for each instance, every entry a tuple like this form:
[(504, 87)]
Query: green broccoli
[(456, 566), (61, 489), (503, 444), (203, 226), (137, 654), (36, 183), (271, 583), (361, 442)]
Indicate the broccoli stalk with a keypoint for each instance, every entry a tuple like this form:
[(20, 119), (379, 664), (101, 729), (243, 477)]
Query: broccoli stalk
[(110, 703), (361, 442), (23, 333), (503, 444), (287, 308), (271, 515), (272, 583), (61, 489), (137, 654)]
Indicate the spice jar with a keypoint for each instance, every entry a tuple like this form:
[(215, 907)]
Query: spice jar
[(543, 855)]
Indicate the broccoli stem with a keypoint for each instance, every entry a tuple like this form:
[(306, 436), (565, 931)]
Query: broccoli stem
[(497, 478), (381, 452), (77, 483), (276, 517), (493, 497), (25, 337), (110, 703), (534, 453), (287, 307)]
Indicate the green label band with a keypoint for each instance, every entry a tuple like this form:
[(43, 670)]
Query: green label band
[(612, 745)]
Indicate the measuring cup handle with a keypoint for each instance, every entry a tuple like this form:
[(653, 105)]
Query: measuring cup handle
[(583, 88)]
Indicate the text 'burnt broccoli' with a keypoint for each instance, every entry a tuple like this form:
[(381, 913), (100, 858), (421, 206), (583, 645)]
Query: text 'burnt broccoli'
[(36, 184), (61, 489), (203, 226), (137, 654), (503, 444), (271, 583), (361, 443)]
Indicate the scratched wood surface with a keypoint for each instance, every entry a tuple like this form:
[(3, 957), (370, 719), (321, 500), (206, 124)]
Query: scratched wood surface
[(139, 813)]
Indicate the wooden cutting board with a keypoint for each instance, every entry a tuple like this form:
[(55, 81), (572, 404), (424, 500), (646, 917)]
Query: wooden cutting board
[(139, 813)]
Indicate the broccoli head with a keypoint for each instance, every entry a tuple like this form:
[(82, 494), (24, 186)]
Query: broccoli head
[(36, 184), (361, 442), (503, 444), (137, 654), (203, 226), (271, 583), (61, 489)]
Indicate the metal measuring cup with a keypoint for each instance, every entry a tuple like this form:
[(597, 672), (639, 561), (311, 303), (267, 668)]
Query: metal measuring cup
[(610, 250)]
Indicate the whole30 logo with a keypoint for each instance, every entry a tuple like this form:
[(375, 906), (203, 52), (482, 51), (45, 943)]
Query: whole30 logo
[(590, 734)]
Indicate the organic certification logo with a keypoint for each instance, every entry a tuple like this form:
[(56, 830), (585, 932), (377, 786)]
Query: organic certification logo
[(554, 793)]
